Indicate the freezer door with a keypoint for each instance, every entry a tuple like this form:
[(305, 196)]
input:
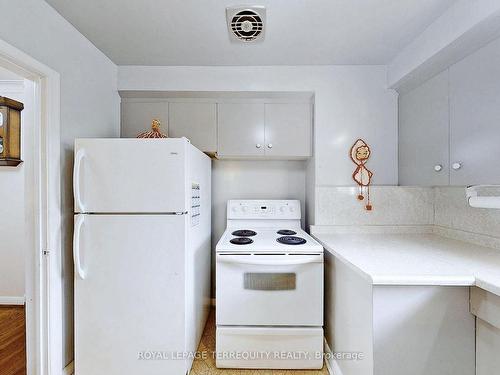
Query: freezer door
[(129, 294), (130, 175)]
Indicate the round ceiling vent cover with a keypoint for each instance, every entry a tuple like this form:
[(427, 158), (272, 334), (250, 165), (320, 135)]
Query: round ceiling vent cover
[(246, 24)]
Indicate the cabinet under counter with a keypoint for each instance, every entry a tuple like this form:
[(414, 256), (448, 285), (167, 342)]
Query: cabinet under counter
[(402, 300)]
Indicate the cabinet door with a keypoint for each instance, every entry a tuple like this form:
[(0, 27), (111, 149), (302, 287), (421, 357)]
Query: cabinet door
[(241, 129), (195, 121), (136, 117), (423, 134), (475, 118), (288, 130), (487, 348)]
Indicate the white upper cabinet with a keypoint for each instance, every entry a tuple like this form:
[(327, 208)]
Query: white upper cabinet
[(195, 121), (452, 123), (423, 134), (241, 129), (272, 130), (288, 130), (136, 116), (475, 118)]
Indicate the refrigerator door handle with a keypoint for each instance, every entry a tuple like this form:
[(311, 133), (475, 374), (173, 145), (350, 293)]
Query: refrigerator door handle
[(76, 180), (76, 247)]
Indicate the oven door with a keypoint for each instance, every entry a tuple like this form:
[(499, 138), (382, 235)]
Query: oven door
[(269, 290)]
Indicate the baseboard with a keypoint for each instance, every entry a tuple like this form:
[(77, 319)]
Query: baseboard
[(331, 363), (8, 300), (69, 369)]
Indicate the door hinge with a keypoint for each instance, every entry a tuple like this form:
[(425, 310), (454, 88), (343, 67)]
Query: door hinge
[(46, 252)]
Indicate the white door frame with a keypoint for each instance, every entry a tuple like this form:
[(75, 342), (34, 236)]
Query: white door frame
[(43, 264)]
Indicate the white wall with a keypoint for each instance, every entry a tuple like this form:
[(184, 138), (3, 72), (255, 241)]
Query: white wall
[(89, 101), (15, 186), (350, 102)]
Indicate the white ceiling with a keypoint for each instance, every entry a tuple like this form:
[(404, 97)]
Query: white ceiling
[(299, 32)]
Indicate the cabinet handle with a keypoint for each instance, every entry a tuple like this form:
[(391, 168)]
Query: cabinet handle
[(457, 165), (438, 167), (270, 145), (258, 145)]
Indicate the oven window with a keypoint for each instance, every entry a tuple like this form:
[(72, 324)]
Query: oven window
[(269, 281)]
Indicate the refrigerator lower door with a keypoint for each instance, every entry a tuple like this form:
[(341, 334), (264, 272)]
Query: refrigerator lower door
[(129, 294), (131, 175)]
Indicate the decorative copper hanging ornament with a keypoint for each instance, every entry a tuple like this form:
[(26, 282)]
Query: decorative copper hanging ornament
[(360, 153), (154, 132)]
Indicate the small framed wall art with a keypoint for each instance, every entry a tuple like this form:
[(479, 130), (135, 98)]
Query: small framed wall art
[(10, 132)]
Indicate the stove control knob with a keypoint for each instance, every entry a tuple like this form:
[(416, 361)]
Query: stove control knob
[(235, 208), (283, 208), (292, 209), (244, 208)]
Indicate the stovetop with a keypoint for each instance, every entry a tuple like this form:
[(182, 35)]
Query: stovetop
[(268, 240)]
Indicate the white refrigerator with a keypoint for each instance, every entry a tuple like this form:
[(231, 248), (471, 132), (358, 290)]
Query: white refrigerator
[(141, 253)]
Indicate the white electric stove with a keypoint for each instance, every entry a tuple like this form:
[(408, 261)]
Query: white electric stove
[(269, 289)]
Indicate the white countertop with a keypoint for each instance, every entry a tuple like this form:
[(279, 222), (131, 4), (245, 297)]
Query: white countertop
[(416, 259)]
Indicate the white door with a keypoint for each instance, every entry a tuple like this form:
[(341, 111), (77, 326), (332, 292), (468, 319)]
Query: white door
[(241, 129), (424, 134), (130, 175), (475, 118), (129, 294), (278, 290), (288, 129)]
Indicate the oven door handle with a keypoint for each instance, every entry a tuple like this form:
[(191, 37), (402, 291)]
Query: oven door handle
[(245, 259)]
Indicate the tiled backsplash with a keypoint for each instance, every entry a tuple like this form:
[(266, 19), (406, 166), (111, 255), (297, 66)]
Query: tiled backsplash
[(452, 211), (444, 207), (392, 205)]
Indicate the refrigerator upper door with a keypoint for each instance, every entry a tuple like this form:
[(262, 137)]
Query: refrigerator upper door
[(130, 303), (130, 175)]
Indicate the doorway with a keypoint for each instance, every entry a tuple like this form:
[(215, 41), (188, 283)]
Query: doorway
[(16, 228), (31, 216)]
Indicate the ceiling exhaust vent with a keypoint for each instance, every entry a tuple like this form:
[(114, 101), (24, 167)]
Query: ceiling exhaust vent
[(246, 24)]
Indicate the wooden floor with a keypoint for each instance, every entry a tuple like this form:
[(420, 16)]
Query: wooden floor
[(207, 366), (12, 340)]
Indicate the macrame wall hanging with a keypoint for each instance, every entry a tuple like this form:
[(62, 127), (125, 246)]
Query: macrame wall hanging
[(360, 153), (154, 132)]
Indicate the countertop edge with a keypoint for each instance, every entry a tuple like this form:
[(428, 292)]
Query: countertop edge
[(483, 281), (374, 279)]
